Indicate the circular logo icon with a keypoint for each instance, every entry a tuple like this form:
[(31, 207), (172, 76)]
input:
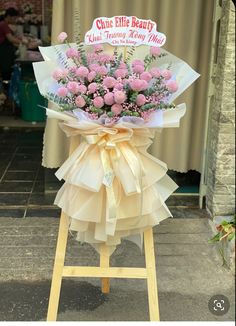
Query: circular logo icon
[(219, 305)]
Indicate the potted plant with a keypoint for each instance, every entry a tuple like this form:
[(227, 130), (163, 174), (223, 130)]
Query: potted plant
[(225, 238)]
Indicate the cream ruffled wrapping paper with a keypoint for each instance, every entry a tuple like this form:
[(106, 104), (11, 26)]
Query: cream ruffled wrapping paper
[(113, 188)]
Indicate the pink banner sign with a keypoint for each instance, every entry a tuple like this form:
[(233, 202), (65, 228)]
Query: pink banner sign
[(124, 31)]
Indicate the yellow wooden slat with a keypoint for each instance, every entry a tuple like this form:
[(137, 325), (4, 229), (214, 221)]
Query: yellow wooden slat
[(105, 262), (151, 276), (113, 272)]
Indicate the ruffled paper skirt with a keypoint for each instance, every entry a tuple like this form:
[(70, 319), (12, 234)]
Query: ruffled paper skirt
[(84, 197)]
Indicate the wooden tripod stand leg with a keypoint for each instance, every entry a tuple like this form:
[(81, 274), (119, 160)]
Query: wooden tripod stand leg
[(58, 268), (151, 275), (105, 262)]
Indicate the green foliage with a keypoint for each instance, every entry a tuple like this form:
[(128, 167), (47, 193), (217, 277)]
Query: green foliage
[(150, 58), (130, 53)]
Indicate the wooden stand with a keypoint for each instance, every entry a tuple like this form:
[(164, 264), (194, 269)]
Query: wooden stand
[(104, 271)]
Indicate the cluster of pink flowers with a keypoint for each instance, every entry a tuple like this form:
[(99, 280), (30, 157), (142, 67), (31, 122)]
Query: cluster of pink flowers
[(106, 85)]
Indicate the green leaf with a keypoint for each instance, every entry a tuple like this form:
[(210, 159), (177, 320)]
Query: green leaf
[(215, 238), (231, 236)]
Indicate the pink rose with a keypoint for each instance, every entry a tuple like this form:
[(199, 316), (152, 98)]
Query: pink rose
[(140, 100), (97, 47), (57, 74), (119, 86), (72, 53), (82, 72), (92, 88), (91, 76), (146, 76), (62, 91), (119, 97), (123, 65), (155, 72), (82, 89), (102, 70), (98, 102), (137, 62), (80, 101), (122, 73), (138, 69), (138, 85), (155, 51), (172, 86), (93, 66), (73, 87), (65, 73), (62, 37), (109, 82), (116, 109), (109, 98), (166, 74)]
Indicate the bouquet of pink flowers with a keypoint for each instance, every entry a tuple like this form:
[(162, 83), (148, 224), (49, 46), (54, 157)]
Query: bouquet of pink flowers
[(110, 86), (113, 98)]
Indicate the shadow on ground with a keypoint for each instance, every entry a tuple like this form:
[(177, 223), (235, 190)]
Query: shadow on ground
[(28, 301)]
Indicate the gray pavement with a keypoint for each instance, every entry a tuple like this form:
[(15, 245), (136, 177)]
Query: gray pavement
[(189, 273)]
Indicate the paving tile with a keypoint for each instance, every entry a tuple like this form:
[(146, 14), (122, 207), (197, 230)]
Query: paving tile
[(43, 212), (33, 157), (23, 176), (189, 213), (16, 186), (23, 165), (176, 200), (42, 199), (39, 187), (28, 149), (7, 148), (18, 212), (13, 199)]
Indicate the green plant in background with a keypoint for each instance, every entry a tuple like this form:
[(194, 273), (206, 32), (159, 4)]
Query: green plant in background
[(226, 234)]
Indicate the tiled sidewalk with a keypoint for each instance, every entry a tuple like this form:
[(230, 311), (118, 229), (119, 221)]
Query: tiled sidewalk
[(22, 178)]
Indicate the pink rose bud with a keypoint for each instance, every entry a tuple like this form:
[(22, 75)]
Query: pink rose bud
[(73, 87), (98, 102), (82, 89), (172, 86), (62, 37), (57, 74), (62, 91), (122, 73), (102, 70), (80, 101), (123, 65), (119, 97), (92, 88), (155, 51), (65, 73), (140, 100), (166, 74), (109, 82), (138, 85), (82, 72), (97, 47), (109, 98), (155, 72), (146, 76), (119, 86), (91, 76), (116, 109), (138, 69), (137, 62), (93, 66), (72, 53)]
